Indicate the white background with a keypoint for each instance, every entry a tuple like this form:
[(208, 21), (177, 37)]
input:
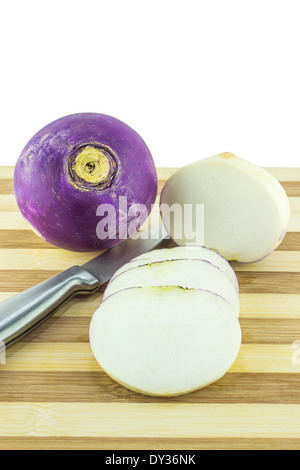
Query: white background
[(194, 78)]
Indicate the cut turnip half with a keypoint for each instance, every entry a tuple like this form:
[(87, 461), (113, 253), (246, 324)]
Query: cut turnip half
[(182, 252), (191, 274), (165, 341), (246, 210)]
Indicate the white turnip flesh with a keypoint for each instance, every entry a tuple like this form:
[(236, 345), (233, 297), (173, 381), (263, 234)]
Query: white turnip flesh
[(182, 252), (246, 210), (190, 273), (165, 341)]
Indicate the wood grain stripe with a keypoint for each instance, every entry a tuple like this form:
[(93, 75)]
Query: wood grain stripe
[(184, 444), (17, 281), (21, 239), (149, 420), (6, 172), (262, 283), (291, 242), (76, 329), (281, 174), (284, 174), (6, 186), (8, 203), (15, 221), (98, 387), (268, 283), (77, 357), (278, 261), (268, 306), (292, 188), (55, 259)]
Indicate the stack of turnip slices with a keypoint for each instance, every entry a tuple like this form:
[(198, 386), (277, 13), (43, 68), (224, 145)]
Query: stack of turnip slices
[(169, 322)]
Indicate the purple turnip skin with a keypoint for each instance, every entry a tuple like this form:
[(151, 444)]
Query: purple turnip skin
[(61, 205)]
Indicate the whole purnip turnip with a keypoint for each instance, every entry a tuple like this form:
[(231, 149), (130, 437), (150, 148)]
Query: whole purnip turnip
[(85, 182)]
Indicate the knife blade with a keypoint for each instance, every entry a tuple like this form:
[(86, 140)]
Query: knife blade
[(21, 313)]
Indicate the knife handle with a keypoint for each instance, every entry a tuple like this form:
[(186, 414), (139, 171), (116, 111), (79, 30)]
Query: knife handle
[(21, 313)]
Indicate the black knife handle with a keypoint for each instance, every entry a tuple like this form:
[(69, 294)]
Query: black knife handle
[(24, 311)]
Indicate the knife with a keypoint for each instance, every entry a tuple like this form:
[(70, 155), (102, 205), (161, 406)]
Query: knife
[(21, 313)]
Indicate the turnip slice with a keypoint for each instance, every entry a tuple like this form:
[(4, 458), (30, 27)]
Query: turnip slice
[(165, 341), (246, 210), (191, 273), (182, 252)]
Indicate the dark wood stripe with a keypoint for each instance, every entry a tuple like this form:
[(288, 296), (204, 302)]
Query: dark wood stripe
[(269, 282), (76, 330), (292, 188), (62, 330), (6, 186), (98, 387), (124, 443), (17, 281), (270, 331), (250, 282), (291, 242), (22, 239), (28, 239)]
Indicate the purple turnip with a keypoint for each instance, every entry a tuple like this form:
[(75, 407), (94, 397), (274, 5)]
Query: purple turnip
[(77, 164)]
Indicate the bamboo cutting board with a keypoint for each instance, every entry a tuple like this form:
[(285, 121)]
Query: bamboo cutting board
[(54, 395)]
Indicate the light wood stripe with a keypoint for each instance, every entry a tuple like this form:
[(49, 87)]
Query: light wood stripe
[(253, 358), (253, 306), (269, 306), (149, 420), (6, 172), (8, 203), (30, 259), (13, 221), (55, 259), (285, 174)]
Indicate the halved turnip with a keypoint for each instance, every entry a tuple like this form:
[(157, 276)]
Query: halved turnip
[(246, 210), (182, 252), (190, 273), (165, 341)]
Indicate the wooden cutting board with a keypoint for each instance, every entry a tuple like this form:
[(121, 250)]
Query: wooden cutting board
[(54, 395)]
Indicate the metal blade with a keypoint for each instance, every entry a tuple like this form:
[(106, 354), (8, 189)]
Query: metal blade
[(105, 265)]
